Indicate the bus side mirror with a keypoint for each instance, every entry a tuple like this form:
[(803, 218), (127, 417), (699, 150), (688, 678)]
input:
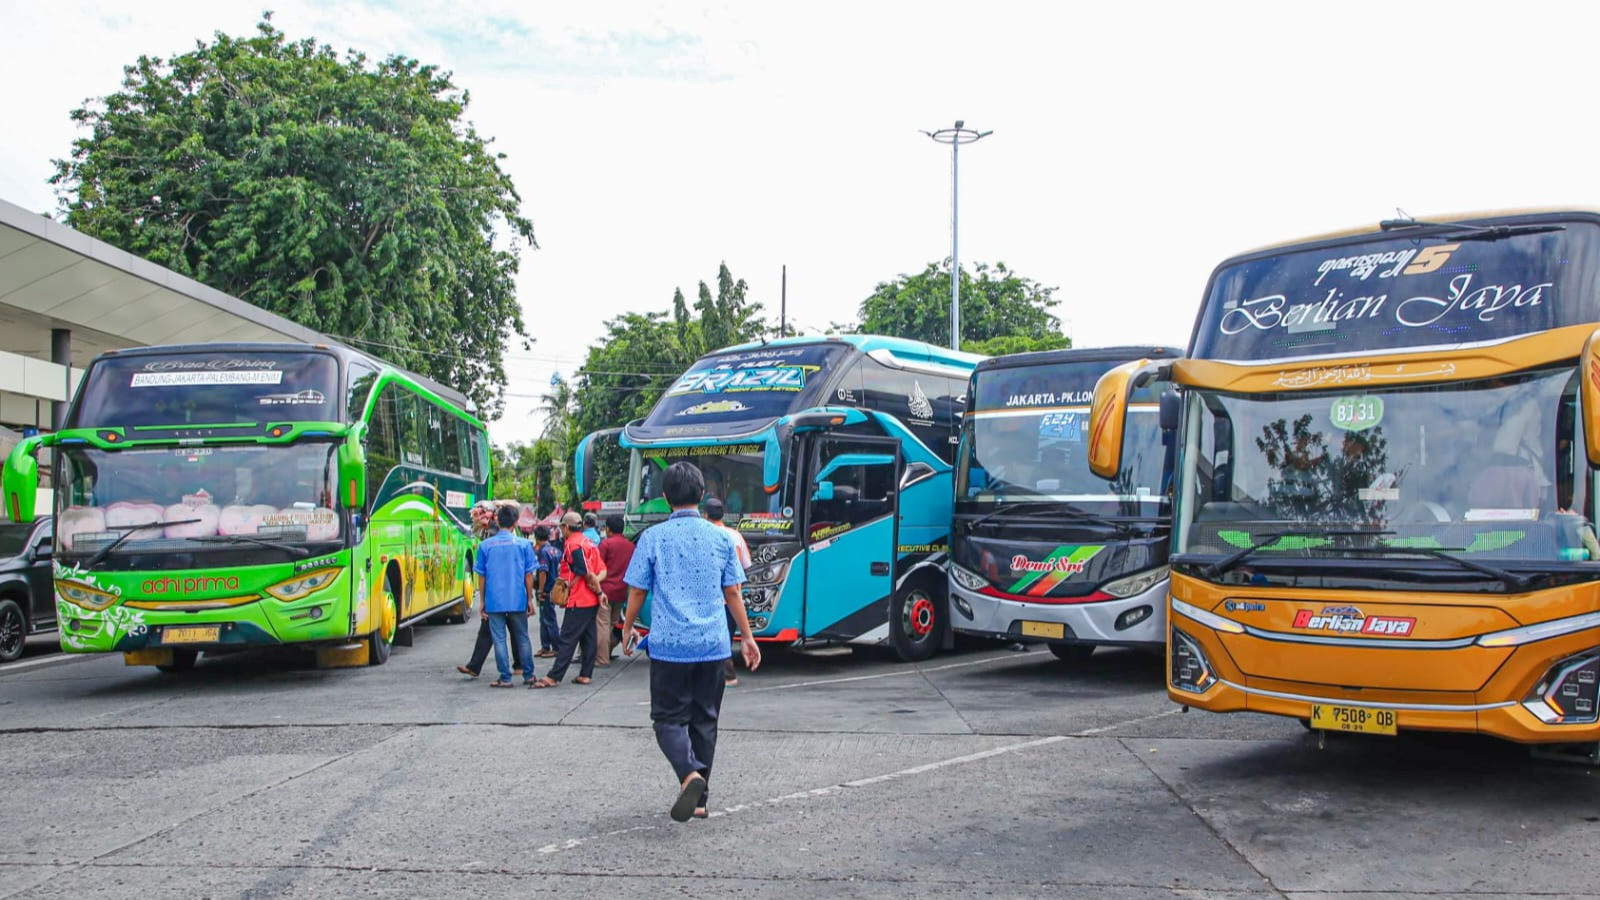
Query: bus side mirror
[(1170, 407), (583, 460), (1108, 416), (824, 491), (20, 479), (352, 462), (1590, 392)]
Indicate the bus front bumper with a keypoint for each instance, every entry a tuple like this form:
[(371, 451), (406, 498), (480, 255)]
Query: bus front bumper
[(1142, 618), (1497, 709)]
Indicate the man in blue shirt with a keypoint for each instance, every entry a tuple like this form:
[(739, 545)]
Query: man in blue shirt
[(691, 571), (505, 566), (591, 528)]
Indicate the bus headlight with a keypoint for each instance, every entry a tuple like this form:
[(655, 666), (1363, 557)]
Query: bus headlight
[(89, 598), (967, 578), (1134, 584), (1191, 671), (770, 573), (1568, 694), (303, 584)]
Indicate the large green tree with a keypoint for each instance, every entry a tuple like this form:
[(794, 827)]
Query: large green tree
[(995, 303), (347, 195), (641, 354)]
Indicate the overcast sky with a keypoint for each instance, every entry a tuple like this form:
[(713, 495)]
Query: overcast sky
[(1135, 145)]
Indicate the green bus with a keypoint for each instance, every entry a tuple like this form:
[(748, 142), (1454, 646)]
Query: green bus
[(214, 497)]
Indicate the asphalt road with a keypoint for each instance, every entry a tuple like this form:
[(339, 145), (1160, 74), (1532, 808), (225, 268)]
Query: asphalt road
[(988, 773)]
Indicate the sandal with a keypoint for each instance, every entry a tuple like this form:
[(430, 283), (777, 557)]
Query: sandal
[(546, 654), (500, 684), (466, 671), (700, 813), (689, 798), (582, 680), (544, 683)]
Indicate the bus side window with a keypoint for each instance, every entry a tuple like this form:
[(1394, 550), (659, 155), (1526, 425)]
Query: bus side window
[(361, 381), (383, 448), (411, 427)]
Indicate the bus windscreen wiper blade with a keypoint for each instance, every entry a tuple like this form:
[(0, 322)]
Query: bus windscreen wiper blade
[(291, 549), (1041, 508), (127, 532), (1463, 232), (1228, 562), (1511, 580)]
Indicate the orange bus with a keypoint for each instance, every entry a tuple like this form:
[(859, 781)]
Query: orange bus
[(1384, 503)]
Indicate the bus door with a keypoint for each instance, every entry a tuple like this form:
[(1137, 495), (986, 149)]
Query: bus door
[(851, 532)]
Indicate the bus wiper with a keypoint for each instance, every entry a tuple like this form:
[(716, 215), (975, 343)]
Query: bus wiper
[(1511, 580), (1228, 562), (1037, 508), (291, 549), (127, 532), (1462, 232)]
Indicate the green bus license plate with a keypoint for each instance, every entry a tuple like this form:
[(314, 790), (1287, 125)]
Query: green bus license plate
[(1052, 630), (1353, 718), (194, 634)]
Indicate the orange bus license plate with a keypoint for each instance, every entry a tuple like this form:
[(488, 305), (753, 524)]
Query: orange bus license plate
[(194, 634), (1052, 630), (1352, 718)]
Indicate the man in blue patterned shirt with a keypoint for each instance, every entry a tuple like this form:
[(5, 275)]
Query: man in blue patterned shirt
[(691, 571)]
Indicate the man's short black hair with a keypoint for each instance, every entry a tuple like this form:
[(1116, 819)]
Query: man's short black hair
[(614, 523), (589, 520), (506, 516), (541, 533), (682, 484)]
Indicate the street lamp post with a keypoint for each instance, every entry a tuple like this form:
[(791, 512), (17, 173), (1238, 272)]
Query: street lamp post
[(955, 137)]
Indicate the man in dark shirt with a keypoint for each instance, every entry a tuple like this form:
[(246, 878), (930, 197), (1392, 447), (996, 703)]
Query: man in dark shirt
[(616, 552), (547, 553)]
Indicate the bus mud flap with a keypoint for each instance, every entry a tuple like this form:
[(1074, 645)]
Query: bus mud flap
[(147, 658), (345, 656)]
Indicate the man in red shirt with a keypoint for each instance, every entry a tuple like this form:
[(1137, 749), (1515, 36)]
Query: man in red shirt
[(616, 552), (583, 570)]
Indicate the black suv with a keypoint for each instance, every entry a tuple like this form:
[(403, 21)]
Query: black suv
[(27, 596)]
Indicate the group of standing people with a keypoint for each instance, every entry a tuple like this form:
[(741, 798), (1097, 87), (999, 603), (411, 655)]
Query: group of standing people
[(693, 568), (517, 579)]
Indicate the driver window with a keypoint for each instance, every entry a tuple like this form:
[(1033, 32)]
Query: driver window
[(861, 492)]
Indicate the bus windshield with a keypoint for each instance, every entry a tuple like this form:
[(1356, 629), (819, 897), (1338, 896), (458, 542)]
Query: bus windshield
[(210, 388), (276, 492), (733, 474), (1027, 440), (1402, 291), (1492, 468)]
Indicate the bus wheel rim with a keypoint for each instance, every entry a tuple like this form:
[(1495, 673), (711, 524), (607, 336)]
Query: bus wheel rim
[(390, 620), (919, 616)]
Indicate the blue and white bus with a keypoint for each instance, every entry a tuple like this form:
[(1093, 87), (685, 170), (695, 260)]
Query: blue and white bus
[(1042, 548), (833, 457)]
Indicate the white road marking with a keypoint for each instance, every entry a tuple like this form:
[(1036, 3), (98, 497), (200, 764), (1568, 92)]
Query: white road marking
[(824, 791), (56, 658), (898, 673), (1091, 732)]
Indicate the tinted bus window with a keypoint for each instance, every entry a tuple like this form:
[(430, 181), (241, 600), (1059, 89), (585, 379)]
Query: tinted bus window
[(209, 388), (1391, 294)]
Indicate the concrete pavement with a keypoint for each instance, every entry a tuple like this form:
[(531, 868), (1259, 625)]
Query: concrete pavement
[(987, 772)]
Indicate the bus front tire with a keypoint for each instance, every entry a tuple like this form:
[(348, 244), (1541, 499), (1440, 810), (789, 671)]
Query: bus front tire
[(182, 661), (1072, 654), (381, 641), (917, 621)]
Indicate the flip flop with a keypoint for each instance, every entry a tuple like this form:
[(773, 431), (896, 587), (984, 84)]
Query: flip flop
[(700, 813), (501, 684), (689, 797), (466, 671), (546, 654), (582, 680), (543, 683)]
